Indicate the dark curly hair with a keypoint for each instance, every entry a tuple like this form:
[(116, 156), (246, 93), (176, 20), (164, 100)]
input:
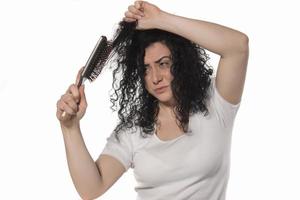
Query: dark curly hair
[(190, 85)]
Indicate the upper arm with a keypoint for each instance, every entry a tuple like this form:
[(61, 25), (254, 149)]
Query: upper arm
[(231, 73), (110, 170)]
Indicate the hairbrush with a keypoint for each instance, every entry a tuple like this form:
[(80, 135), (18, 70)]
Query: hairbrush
[(96, 62)]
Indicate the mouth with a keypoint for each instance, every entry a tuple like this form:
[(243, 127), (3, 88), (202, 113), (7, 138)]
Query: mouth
[(161, 89)]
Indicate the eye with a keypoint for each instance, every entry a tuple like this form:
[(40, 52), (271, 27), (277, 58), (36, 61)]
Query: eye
[(165, 64)]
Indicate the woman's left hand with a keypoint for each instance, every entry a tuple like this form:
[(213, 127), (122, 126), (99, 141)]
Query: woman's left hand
[(146, 14)]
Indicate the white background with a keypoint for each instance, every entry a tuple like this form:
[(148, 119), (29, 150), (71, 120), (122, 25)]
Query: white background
[(44, 43)]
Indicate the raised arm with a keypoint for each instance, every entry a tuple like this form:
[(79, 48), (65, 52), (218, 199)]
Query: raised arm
[(90, 178), (231, 45)]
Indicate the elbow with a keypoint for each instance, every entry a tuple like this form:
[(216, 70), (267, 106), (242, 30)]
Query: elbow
[(239, 45), (86, 197), (243, 44), (89, 196)]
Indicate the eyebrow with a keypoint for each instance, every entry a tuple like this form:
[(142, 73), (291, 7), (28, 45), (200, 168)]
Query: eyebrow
[(158, 60)]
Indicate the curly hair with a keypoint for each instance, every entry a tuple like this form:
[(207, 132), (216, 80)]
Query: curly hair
[(191, 72)]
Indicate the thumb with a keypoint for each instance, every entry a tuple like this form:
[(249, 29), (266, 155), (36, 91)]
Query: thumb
[(78, 75), (82, 97)]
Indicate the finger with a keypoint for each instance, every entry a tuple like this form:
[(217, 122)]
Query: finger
[(63, 108), (66, 108), (72, 104), (63, 116), (126, 19), (139, 5), (129, 14), (135, 11), (68, 91), (78, 75), (69, 100), (59, 114), (59, 107), (75, 92), (83, 102)]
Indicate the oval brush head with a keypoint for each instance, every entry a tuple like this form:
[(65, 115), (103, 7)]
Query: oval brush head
[(96, 60)]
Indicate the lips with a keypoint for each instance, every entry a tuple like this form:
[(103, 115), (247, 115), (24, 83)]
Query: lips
[(160, 89)]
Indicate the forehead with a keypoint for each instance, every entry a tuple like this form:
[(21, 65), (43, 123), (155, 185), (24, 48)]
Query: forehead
[(155, 51)]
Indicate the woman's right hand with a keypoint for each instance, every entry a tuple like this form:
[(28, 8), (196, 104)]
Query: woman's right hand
[(73, 104)]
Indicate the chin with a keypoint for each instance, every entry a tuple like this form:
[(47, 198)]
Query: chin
[(166, 97)]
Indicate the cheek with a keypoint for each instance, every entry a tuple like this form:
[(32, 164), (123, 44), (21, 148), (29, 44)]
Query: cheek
[(170, 76), (146, 83)]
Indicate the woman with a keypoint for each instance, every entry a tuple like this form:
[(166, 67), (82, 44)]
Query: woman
[(175, 119)]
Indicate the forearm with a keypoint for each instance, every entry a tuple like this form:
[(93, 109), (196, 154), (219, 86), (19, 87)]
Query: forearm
[(213, 37), (83, 170)]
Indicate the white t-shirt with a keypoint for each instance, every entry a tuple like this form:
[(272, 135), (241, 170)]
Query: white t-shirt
[(193, 166)]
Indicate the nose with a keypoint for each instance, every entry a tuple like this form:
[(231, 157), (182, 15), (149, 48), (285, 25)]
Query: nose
[(156, 76)]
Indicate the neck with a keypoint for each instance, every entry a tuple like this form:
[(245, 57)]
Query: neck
[(166, 109)]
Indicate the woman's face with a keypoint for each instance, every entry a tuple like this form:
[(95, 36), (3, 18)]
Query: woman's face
[(158, 76)]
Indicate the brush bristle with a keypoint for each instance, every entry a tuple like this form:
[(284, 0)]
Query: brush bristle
[(103, 56), (97, 59)]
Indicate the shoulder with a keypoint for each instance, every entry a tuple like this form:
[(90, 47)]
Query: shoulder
[(133, 136), (215, 96), (219, 107)]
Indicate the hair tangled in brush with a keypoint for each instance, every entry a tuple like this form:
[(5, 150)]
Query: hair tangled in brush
[(190, 70)]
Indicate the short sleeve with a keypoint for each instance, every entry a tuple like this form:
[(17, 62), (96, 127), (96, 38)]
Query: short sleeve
[(121, 150), (224, 110)]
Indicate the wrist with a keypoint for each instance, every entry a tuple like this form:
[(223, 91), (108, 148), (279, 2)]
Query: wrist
[(67, 129), (164, 21)]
